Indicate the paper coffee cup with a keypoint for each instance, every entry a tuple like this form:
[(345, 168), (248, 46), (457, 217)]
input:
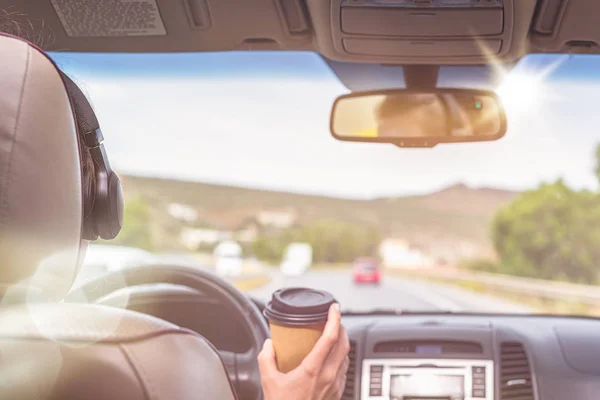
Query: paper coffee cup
[(297, 317)]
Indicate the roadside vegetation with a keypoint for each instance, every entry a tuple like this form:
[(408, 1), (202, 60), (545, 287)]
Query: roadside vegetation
[(551, 232), (332, 241)]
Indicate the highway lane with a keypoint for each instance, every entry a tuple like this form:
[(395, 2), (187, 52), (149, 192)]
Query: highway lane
[(393, 292)]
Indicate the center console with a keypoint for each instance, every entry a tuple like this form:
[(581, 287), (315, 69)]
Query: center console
[(432, 360), (427, 379)]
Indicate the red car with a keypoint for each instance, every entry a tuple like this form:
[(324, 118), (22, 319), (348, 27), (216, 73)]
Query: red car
[(367, 270)]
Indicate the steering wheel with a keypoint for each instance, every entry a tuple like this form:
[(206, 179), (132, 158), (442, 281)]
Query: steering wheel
[(242, 368)]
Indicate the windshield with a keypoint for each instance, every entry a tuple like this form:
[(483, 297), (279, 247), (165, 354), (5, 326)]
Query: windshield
[(228, 165)]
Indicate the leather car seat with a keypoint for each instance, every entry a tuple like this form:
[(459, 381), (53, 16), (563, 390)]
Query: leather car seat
[(53, 350)]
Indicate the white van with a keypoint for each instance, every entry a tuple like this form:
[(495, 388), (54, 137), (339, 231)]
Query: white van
[(228, 258), (297, 259)]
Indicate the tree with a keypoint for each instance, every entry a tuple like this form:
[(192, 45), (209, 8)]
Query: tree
[(268, 248), (137, 226), (333, 241), (552, 232)]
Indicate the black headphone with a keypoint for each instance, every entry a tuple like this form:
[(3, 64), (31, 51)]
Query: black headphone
[(105, 216)]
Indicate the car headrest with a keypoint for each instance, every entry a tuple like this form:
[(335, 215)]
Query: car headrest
[(40, 178)]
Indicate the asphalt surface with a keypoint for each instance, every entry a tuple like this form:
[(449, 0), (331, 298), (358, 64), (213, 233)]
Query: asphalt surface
[(393, 292)]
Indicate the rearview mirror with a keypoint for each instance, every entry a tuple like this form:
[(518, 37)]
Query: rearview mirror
[(409, 118)]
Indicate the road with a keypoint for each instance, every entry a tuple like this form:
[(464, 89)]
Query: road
[(393, 292)]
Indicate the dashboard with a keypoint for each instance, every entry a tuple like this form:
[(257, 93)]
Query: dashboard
[(427, 356), (473, 357)]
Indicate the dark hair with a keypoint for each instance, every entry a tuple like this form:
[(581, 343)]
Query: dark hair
[(18, 24), (88, 178)]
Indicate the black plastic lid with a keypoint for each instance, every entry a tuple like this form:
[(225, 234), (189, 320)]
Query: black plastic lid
[(299, 306)]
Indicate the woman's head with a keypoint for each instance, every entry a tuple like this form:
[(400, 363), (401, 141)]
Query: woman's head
[(411, 115)]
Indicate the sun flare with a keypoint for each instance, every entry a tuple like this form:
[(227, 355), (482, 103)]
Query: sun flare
[(524, 88)]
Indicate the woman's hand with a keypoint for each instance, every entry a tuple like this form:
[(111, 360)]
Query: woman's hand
[(322, 374)]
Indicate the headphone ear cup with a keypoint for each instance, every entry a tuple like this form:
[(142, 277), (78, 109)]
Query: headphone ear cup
[(106, 217), (113, 221)]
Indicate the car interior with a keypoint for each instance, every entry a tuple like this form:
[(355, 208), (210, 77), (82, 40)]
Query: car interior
[(117, 333)]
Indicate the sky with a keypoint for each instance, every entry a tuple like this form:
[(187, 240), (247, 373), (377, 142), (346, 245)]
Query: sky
[(261, 120)]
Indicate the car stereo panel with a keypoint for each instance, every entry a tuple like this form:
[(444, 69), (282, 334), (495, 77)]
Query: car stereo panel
[(427, 379)]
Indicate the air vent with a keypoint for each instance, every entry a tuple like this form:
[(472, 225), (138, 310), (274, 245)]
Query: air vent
[(428, 347), (351, 375), (515, 373), (549, 15)]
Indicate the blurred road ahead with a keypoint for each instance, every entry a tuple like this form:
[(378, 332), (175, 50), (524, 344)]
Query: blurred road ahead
[(393, 292)]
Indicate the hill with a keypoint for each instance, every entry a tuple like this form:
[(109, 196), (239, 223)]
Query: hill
[(451, 218)]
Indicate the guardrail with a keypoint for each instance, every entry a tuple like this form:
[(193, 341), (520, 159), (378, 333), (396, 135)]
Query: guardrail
[(586, 294)]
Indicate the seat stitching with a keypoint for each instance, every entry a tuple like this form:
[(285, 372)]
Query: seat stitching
[(7, 177), (139, 372)]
